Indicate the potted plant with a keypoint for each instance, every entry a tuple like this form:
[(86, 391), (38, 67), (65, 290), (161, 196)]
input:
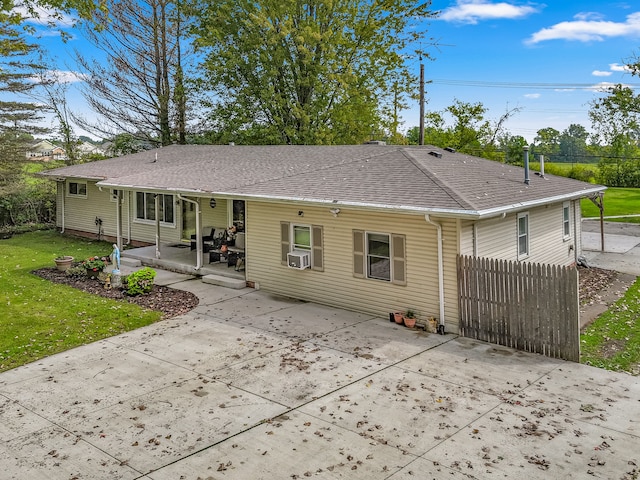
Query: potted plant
[(410, 318), (63, 262), (398, 317), (93, 266)]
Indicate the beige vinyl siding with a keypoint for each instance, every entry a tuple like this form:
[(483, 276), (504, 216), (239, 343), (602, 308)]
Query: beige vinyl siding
[(214, 217), (466, 237), (60, 186), (337, 285), (547, 242), (497, 237), (577, 223), (80, 213)]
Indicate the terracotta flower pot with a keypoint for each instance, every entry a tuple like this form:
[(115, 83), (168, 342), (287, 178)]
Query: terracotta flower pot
[(397, 316), (409, 322), (63, 263)]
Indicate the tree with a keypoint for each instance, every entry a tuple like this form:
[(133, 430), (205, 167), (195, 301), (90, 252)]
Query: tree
[(573, 144), (513, 148), (314, 72), (140, 89), (18, 119), (547, 143)]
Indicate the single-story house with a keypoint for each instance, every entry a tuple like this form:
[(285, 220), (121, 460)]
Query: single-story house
[(371, 228)]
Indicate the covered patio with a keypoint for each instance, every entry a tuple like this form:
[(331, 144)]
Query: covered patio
[(178, 257)]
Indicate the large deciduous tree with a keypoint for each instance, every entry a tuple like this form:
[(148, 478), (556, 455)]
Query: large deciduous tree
[(313, 72), (140, 88)]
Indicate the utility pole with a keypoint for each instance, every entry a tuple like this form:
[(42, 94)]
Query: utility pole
[(421, 134)]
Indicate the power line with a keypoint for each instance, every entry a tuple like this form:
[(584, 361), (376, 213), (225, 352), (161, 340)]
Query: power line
[(543, 86)]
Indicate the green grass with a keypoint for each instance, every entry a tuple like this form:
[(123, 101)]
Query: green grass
[(39, 318), (617, 201), (612, 341)]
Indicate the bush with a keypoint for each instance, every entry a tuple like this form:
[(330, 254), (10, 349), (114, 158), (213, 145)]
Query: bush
[(140, 282), (76, 271)]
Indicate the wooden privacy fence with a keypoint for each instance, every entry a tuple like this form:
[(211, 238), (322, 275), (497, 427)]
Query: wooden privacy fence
[(527, 306)]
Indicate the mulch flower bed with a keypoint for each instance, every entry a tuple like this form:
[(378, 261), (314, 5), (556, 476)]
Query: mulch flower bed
[(171, 302)]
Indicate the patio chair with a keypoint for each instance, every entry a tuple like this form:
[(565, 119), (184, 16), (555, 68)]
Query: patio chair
[(236, 252), (207, 240)]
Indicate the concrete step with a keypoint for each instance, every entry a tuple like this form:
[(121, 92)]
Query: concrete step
[(130, 262), (227, 282)]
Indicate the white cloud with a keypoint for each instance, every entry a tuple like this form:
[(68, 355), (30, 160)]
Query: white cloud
[(616, 67), (61, 76), (602, 87), (473, 11), (587, 29), (600, 73), (46, 17), (532, 95)]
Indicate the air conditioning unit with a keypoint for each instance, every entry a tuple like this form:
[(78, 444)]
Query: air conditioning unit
[(299, 259)]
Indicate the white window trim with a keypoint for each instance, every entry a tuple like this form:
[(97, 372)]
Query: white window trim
[(566, 206), (366, 256), (76, 195), (113, 195), (522, 256), (144, 221)]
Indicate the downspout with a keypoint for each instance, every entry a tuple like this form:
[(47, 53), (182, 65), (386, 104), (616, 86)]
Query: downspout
[(129, 217), (440, 272), (63, 184), (156, 203), (118, 221), (198, 231)]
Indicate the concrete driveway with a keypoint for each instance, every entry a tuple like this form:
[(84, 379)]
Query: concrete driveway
[(250, 386)]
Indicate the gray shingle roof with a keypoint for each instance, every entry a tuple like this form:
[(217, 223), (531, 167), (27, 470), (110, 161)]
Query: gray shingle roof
[(375, 176)]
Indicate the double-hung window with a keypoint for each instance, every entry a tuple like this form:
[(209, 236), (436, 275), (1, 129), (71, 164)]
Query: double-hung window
[(379, 256), (295, 236), (146, 208), (566, 221), (523, 235)]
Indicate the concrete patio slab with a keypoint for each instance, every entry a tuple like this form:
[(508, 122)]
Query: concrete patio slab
[(295, 446), (254, 386), (468, 362), (167, 425)]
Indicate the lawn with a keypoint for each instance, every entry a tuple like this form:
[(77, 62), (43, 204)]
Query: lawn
[(612, 341), (39, 318), (617, 202)]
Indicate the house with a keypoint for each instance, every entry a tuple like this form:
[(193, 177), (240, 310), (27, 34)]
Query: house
[(371, 228), (45, 151)]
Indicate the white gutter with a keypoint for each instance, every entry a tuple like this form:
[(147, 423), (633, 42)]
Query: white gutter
[(198, 231), (440, 272)]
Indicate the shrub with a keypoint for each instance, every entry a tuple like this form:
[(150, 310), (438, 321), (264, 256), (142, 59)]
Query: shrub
[(140, 282), (76, 271)]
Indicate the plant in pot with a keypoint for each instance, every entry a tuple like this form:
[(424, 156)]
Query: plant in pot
[(410, 319), (63, 262), (398, 317), (93, 266)]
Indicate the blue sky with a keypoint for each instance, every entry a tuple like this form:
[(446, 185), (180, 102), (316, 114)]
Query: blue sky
[(547, 59)]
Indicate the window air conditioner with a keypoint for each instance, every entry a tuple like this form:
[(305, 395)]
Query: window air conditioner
[(299, 259)]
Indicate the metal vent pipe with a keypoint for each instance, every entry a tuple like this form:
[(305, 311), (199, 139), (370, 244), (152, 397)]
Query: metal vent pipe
[(526, 164)]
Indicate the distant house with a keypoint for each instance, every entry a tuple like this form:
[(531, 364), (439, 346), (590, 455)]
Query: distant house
[(86, 148), (371, 228), (45, 151)]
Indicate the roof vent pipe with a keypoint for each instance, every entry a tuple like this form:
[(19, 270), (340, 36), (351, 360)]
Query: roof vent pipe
[(541, 166), (526, 164)]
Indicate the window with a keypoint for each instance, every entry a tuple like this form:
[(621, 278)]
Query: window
[(238, 215), (113, 195), (295, 236), (146, 210), (523, 235), (566, 221), (301, 237), (77, 189), (379, 256)]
